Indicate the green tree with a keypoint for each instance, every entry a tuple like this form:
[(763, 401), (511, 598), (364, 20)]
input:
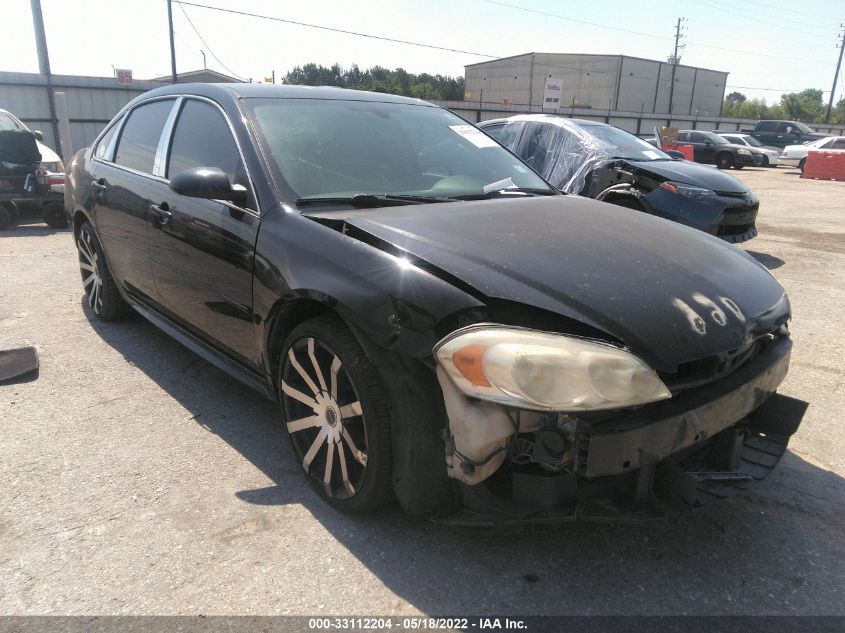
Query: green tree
[(379, 79)]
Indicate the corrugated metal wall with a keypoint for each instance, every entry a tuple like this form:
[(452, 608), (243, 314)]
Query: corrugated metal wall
[(600, 82), (91, 101)]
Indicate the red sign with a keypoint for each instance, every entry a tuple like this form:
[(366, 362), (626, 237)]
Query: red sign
[(124, 75)]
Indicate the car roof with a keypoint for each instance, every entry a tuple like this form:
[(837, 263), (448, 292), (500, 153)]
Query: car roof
[(276, 91)]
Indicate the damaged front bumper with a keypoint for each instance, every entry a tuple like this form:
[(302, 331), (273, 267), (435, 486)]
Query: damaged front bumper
[(522, 467), (727, 215)]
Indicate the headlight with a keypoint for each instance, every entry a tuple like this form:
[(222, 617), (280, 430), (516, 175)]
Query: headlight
[(687, 191), (744, 152), (540, 370)]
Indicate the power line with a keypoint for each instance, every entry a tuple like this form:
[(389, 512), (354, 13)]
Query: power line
[(202, 39), (789, 28), (660, 37), (332, 29), (791, 10), (421, 44), (567, 18), (755, 13)]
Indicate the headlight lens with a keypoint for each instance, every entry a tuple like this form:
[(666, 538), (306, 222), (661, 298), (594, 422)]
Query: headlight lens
[(688, 191), (744, 152), (545, 371)]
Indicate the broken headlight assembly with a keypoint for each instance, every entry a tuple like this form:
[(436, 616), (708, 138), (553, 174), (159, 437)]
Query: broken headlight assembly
[(545, 371), (688, 191)]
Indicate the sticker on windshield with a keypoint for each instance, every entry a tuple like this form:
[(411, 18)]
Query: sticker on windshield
[(473, 135), (652, 155)]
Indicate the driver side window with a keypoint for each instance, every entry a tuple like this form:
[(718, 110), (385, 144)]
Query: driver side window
[(202, 138)]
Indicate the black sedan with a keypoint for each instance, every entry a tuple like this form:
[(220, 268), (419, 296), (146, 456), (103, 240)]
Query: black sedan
[(600, 161), (436, 322), (713, 149)]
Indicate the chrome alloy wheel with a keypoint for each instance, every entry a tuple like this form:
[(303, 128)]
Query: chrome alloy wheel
[(89, 266), (324, 418)]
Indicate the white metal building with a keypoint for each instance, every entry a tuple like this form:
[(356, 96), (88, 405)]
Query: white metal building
[(554, 82)]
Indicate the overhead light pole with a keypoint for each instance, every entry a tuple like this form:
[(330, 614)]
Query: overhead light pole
[(172, 44), (841, 44)]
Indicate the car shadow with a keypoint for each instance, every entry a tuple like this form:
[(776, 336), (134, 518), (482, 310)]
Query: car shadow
[(31, 229), (769, 261), (744, 555)]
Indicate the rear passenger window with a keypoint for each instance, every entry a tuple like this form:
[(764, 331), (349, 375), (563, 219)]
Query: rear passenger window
[(140, 136), (202, 138), (101, 151), (838, 144)]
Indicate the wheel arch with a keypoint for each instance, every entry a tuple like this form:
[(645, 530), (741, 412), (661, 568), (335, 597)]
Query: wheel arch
[(417, 410), (79, 217)]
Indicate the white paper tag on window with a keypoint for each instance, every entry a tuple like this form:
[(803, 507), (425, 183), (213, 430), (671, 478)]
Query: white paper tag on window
[(652, 155), (473, 135)]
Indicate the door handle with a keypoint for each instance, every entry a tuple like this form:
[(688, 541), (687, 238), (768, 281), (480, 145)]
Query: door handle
[(162, 211), (99, 187)]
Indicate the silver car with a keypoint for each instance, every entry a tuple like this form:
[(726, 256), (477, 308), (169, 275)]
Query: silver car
[(770, 154)]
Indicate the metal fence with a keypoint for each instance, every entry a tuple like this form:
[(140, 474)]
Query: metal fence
[(91, 102), (640, 123)]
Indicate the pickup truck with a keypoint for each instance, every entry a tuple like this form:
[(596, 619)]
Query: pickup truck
[(783, 133)]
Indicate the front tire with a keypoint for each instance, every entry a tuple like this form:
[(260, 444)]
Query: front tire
[(336, 415), (100, 288), (801, 165), (724, 161)]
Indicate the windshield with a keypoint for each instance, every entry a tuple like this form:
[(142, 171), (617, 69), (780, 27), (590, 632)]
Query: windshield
[(820, 142), (712, 136), (323, 148), (8, 123), (802, 128), (621, 144), (753, 142)]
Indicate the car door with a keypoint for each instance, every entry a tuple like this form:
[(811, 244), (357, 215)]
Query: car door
[(124, 187), (702, 151), (203, 250)]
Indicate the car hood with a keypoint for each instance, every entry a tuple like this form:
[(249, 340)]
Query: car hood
[(691, 173), (671, 293)]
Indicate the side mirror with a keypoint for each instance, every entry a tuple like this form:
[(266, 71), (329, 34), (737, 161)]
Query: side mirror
[(209, 183), (38, 135), (675, 154)]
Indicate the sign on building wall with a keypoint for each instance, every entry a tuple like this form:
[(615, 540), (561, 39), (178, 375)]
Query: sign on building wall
[(552, 93), (123, 75)]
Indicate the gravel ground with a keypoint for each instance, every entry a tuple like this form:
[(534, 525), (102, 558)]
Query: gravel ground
[(135, 478)]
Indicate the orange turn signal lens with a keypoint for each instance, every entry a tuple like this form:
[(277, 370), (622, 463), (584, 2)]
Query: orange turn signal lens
[(468, 361), (668, 186)]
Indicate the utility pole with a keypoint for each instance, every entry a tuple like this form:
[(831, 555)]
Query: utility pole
[(44, 67), (674, 61), (841, 45), (172, 45)]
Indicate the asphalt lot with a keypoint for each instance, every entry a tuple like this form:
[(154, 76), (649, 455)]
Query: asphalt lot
[(135, 478)]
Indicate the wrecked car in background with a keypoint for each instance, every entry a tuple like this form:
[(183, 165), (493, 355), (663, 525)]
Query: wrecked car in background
[(603, 162), (437, 323)]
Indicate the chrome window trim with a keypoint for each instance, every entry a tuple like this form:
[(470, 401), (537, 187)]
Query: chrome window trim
[(162, 150), (163, 147)]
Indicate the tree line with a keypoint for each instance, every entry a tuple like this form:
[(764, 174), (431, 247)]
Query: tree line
[(379, 79), (806, 106)]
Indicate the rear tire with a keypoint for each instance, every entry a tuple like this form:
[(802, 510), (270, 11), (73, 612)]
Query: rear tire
[(724, 161), (54, 215), (801, 165), (100, 288), (336, 415)]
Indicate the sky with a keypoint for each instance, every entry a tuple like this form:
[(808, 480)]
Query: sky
[(768, 46)]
